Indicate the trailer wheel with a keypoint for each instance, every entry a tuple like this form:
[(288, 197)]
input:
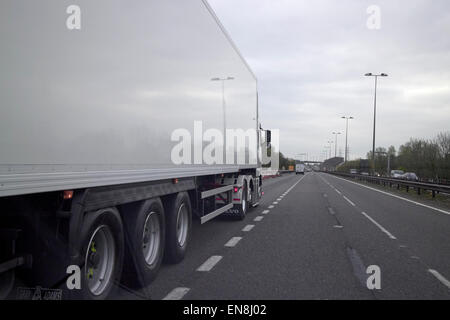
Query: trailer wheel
[(178, 226), (102, 253), (243, 207), (144, 223)]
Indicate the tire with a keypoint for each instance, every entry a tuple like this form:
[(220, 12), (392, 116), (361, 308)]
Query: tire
[(243, 207), (178, 226), (145, 235), (102, 248)]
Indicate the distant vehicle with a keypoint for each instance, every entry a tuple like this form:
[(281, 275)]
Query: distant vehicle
[(396, 173), (410, 176), (300, 169), (353, 171), (365, 173)]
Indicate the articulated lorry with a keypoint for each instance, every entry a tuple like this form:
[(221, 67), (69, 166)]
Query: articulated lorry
[(114, 119)]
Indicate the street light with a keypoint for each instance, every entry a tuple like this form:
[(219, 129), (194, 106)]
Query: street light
[(335, 144), (375, 111), (224, 109), (346, 135)]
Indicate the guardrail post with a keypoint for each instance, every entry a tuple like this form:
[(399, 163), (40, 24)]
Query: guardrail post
[(434, 193), (407, 188), (418, 191)]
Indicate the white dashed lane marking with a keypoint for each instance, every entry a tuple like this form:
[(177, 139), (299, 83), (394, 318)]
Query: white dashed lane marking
[(440, 277), (258, 218), (435, 273), (232, 242), (390, 235), (210, 263), (176, 294), (349, 201), (248, 227), (265, 212)]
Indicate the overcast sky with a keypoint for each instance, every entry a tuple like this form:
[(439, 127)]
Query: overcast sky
[(310, 58)]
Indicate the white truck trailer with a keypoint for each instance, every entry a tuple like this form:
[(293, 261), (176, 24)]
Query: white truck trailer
[(104, 119)]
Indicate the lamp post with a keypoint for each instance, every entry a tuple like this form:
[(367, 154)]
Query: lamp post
[(375, 111), (346, 136), (335, 144), (224, 110)]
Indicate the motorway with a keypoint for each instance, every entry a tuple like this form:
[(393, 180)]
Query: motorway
[(313, 237)]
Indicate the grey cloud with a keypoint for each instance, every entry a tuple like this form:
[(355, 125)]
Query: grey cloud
[(310, 57)]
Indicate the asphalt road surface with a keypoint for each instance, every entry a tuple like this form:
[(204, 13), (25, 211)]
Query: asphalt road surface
[(314, 237)]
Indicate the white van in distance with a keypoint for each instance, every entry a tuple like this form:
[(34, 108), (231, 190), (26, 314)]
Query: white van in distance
[(299, 169)]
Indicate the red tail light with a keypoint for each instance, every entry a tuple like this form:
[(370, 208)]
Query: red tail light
[(67, 195), (236, 189)]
